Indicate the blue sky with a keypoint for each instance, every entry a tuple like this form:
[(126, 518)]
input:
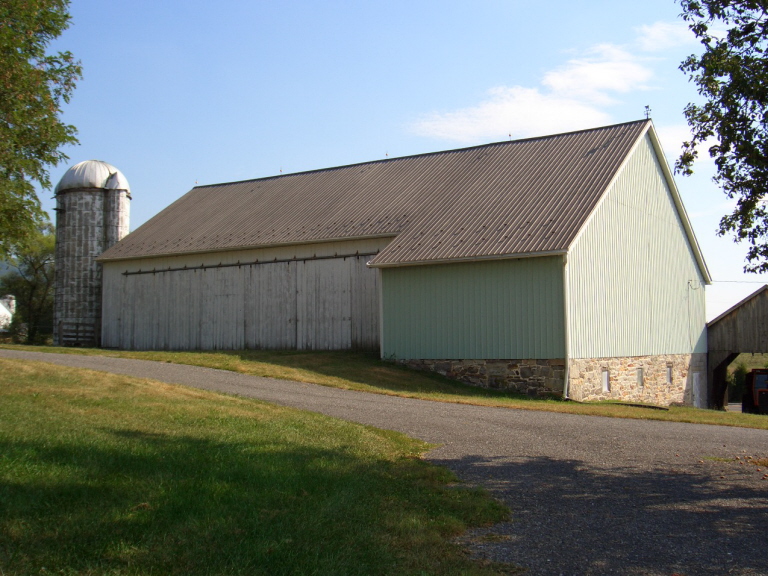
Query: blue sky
[(176, 93)]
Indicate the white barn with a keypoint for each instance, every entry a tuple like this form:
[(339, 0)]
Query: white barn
[(564, 264)]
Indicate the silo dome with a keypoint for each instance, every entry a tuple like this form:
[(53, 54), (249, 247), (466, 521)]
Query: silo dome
[(93, 174)]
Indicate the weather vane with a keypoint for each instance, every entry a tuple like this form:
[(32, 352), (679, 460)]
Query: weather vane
[(647, 112)]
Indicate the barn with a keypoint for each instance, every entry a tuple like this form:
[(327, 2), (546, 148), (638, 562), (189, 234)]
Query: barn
[(740, 329), (564, 264)]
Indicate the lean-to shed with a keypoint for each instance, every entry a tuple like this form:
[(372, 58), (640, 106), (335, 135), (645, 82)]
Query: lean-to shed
[(743, 328), (564, 264)]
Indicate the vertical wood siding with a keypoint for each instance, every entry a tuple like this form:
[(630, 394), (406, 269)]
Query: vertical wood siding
[(479, 310), (743, 328), (634, 285), (322, 305)]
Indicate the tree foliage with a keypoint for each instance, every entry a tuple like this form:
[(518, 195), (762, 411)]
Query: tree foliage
[(732, 76), (33, 87), (31, 280)]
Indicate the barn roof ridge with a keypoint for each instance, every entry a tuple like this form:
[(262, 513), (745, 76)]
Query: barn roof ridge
[(523, 196), (419, 155)]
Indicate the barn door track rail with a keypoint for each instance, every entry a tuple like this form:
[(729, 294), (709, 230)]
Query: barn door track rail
[(256, 262)]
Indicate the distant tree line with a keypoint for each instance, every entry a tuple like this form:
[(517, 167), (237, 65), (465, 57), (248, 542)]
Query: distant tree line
[(29, 278)]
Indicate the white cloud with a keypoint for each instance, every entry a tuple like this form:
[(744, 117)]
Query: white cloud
[(571, 97), (520, 111), (661, 36), (605, 69), (578, 94)]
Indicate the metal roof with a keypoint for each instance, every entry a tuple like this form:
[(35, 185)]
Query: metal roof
[(93, 174), (521, 197)]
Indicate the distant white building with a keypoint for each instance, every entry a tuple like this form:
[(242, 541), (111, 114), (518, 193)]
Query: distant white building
[(7, 310)]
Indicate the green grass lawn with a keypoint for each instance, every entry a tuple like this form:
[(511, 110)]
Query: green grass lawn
[(367, 373), (104, 474)]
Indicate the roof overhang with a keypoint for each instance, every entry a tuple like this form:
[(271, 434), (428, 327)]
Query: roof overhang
[(242, 248), (679, 204), (469, 259)]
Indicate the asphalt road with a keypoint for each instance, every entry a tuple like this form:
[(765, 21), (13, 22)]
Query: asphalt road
[(588, 495)]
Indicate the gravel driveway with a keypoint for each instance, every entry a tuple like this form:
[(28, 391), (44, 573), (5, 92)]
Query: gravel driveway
[(588, 495)]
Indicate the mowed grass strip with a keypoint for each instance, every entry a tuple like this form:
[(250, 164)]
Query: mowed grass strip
[(104, 474), (368, 373)]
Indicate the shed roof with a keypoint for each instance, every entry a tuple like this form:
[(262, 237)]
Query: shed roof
[(738, 305), (521, 197)]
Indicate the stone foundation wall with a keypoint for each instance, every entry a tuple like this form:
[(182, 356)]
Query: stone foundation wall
[(586, 378), (546, 377), (532, 377)]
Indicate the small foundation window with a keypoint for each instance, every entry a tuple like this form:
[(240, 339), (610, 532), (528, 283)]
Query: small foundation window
[(640, 377), (606, 380), (669, 374)]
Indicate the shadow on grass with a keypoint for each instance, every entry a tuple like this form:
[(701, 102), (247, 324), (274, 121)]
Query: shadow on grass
[(156, 503), (368, 369), (572, 518)]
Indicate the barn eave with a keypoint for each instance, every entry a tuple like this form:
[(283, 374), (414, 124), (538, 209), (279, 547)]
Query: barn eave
[(171, 254), (373, 264)]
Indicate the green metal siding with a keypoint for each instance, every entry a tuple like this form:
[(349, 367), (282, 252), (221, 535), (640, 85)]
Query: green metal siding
[(500, 309), (634, 284)]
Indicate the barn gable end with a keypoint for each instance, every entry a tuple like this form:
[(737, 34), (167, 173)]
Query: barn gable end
[(636, 292)]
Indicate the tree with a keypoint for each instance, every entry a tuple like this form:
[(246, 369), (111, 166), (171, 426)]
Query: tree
[(33, 86), (30, 279), (732, 76)]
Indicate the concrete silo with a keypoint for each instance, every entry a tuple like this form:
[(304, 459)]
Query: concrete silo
[(92, 211)]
